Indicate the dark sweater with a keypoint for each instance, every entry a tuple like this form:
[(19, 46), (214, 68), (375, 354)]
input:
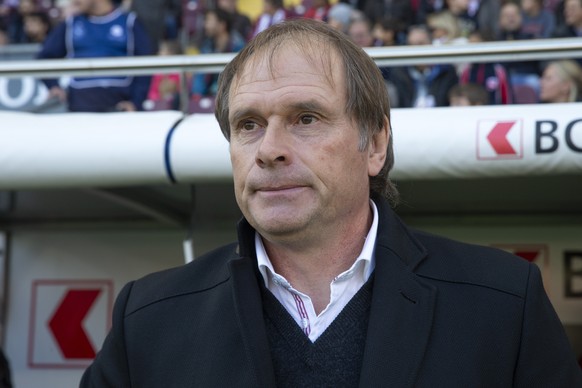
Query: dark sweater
[(333, 360)]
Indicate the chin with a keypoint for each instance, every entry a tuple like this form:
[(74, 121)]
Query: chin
[(279, 227)]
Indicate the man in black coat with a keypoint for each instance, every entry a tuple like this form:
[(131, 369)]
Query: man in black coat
[(326, 286)]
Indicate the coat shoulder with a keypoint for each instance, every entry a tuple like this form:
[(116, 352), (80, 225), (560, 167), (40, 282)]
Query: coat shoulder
[(204, 273), (458, 262)]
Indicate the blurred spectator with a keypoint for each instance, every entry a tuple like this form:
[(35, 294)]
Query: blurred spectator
[(493, 77), (4, 40), (445, 28), (556, 7), (160, 18), (4, 12), (398, 9), (339, 16), (318, 10), (572, 26), (561, 82), (468, 95), (360, 31), (473, 15), (467, 21), (165, 87), (219, 38), (240, 22), (422, 85), (37, 26), (510, 23), (273, 12), (536, 21), (510, 28), (193, 25), (16, 20), (99, 29), (423, 8), (388, 32), (486, 13)]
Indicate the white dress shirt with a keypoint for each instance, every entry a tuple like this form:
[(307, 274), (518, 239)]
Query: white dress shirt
[(342, 288)]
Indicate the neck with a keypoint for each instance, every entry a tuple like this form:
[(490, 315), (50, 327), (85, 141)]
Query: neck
[(102, 8), (311, 267)]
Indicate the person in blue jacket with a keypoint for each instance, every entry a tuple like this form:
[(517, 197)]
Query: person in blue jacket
[(99, 28)]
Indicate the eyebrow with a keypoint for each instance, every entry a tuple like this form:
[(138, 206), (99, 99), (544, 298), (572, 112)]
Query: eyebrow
[(309, 105)]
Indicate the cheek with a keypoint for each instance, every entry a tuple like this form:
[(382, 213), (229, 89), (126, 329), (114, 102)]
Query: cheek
[(564, 87), (239, 170), (343, 161)]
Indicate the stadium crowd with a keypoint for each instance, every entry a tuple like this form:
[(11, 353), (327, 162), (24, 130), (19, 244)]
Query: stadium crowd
[(217, 26)]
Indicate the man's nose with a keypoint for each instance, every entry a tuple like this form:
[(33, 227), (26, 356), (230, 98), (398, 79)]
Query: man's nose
[(275, 146)]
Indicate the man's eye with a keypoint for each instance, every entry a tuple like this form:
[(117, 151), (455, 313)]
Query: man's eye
[(307, 119), (248, 126)]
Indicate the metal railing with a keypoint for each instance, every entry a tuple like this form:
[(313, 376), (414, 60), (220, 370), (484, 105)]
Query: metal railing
[(525, 50), (543, 49), (13, 52)]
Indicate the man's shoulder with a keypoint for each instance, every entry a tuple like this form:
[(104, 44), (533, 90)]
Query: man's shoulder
[(474, 265), (204, 273)]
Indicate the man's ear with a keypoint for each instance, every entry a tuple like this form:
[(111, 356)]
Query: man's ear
[(378, 149)]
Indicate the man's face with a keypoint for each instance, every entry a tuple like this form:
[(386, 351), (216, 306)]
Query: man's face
[(227, 5), (458, 7), (294, 151), (269, 7), (553, 88), (386, 36), (418, 37), (26, 7), (210, 24), (510, 18), (34, 27), (529, 6), (573, 12), (361, 34)]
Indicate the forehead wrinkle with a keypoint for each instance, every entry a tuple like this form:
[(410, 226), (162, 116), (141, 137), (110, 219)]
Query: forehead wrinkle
[(317, 53)]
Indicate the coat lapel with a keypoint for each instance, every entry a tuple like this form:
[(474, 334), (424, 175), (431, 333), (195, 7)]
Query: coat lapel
[(402, 309), (249, 311)]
